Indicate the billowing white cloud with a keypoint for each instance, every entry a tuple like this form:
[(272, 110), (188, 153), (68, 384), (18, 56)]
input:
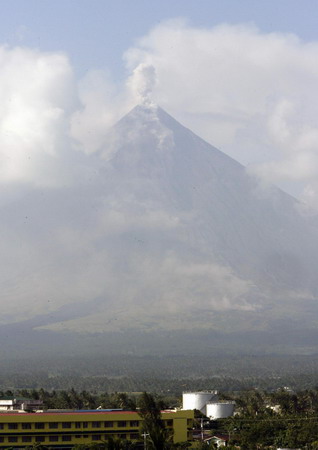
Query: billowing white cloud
[(252, 94), (36, 96), (102, 104)]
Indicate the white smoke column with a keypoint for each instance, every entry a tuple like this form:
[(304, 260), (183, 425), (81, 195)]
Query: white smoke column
[(142, 83)]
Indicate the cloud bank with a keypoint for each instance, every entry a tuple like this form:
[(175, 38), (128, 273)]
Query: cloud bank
[(37, 95), (252, 94)]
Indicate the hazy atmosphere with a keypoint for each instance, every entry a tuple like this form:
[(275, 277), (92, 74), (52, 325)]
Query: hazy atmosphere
[(114, 215)]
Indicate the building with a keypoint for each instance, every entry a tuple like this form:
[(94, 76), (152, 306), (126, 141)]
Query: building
[(220, 440), (64, 429), (20, 404)]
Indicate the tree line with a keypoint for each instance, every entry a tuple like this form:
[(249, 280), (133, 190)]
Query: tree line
[(267, 420), (263, 420)]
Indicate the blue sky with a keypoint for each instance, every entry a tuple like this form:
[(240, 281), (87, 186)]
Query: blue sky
[(243, 74), (95, 33)]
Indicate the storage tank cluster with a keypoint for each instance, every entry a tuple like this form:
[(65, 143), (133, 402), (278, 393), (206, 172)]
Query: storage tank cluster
[(208, 403)]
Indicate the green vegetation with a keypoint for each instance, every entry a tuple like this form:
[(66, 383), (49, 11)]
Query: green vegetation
[(154, 430), (76, 400), (255, 382), (161, 374), (263, 420), (270, 420)]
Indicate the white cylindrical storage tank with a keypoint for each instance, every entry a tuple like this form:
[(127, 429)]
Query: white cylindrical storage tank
[(220, 410), (198, 400)]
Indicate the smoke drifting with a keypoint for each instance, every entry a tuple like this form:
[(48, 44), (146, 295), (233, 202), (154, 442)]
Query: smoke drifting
[(142, 83)]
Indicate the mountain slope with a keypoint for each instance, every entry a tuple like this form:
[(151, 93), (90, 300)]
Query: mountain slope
[(165, 232), (224, 213)]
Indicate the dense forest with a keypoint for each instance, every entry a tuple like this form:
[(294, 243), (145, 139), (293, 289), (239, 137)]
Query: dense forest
[(265, 420), (166, 374)]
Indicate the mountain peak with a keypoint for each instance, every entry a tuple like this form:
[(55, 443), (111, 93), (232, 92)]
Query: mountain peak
[(150, 118), (146, 107), (148, 112), (144, 111)]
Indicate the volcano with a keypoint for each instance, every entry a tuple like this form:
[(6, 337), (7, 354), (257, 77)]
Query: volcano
[(163, 232)]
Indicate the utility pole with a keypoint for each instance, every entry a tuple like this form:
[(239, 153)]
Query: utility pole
[(202, 429), (144, 435)]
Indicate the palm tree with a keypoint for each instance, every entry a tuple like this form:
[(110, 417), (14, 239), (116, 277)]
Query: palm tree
[(159, 437)]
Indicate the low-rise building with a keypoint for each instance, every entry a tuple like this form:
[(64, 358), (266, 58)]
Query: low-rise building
[(220, 440), (20, 404), (68, 428)]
